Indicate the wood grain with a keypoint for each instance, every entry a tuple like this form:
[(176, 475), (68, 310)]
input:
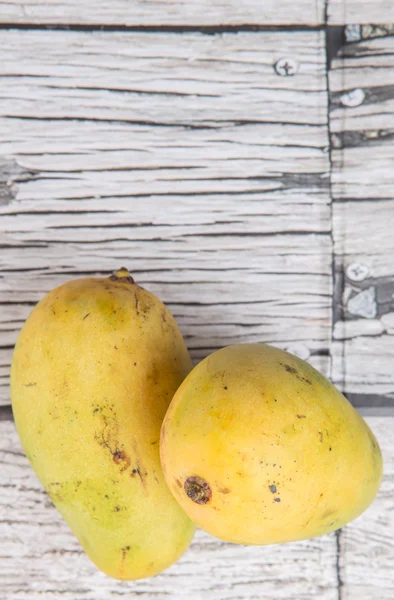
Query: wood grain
[(162, 12), (180, 13), (366, 545), (342, 12), (362, 126), (41, 558), (186, 158)]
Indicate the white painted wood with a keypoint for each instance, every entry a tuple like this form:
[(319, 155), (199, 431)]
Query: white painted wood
[(162, 12), (366, 545), (209, 182), (362, 188), (41, 559), (342, 12), (362, 365)]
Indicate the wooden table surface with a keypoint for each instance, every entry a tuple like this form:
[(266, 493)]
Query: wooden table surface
[(238, 158)]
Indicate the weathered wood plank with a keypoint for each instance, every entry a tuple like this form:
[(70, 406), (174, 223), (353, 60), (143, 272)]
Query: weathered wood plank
[(198, 14), (186, 158), (342, 12), (362, 125), (41, 558), (366, 545), (162, 12)]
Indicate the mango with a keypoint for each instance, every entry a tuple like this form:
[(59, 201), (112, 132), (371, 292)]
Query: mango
[(259, 448), (93, 372)]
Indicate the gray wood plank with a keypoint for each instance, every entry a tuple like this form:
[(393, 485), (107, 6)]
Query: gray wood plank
[(187, 158), (362, 125)]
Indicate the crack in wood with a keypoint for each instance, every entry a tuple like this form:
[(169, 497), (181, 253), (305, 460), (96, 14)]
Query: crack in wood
[(338, 565), (162, 28)]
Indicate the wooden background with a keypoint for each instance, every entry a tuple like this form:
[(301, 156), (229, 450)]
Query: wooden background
[(237, 157)]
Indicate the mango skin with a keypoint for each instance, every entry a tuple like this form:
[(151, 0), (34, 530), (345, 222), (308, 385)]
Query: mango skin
[(93, 372), (267, 448)]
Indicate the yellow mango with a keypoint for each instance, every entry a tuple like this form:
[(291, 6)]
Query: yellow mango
[(259, 448), (94, 370)]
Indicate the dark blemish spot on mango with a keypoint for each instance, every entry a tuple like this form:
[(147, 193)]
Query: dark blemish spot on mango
[(225, 387), (275, 400), (301, 417), (137, 471), (320, 436), (135, 364), (289, 369), (179, 483), (272, 489), (198, 490), (121, 458), (116, 508), (124, 552), (86, 316), (321, 495), (276, 499), (32, 384), (115, 347), (330, 448), (106, 496), (224, 490)]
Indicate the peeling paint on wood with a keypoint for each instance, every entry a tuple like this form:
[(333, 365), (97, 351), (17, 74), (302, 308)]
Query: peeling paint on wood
[(10, 174)]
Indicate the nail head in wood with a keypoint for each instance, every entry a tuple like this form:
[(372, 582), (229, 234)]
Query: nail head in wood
[(286, 67), (357, 271)]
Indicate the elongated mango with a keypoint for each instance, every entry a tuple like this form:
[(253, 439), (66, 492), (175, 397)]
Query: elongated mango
[(93, 372)]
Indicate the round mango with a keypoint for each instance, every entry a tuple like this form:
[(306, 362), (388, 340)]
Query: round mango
[(259, 448), (93, 372)]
